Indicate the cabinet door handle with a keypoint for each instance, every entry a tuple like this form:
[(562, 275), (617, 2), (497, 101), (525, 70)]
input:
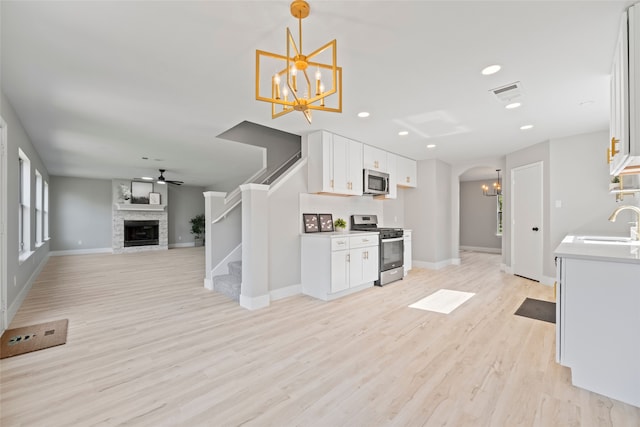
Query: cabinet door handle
[(609, 156), (408, 179), (331, 183), (535, 228), (614, 141), (348, 258)]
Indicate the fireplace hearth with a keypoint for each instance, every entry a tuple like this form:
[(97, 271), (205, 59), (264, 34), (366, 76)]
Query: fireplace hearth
[(141, 233)]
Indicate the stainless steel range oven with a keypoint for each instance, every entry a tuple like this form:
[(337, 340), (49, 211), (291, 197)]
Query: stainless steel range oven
[(391, 248)]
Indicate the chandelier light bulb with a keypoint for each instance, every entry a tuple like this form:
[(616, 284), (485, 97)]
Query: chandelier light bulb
[(276, 86)]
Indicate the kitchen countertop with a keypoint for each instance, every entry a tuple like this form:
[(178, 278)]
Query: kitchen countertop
[(340, 233), (577, 247)]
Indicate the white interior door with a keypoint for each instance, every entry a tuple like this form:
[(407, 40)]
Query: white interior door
[(526, 221)]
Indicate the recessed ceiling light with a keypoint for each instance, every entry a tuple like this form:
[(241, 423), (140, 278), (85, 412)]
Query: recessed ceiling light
[(491, 69), (403, 133), (431, 146), (363, 114), (512, 105), (147, 178), (526, 127)]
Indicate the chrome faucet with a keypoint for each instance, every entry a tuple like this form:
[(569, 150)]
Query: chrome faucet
[(612, 218)]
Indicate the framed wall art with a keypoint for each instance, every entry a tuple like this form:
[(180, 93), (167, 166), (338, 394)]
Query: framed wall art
[(140, 192), (310, 223), (154, 198), (326, 222)]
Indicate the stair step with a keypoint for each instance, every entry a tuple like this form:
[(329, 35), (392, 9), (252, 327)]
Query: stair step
[(227, 284), (235, 269)]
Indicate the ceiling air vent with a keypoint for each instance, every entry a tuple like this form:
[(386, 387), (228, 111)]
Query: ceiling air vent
[(508, 93)]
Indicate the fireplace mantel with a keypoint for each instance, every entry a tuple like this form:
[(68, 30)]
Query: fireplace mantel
[(139, 207)]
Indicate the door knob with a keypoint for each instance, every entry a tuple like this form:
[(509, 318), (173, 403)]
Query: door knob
[(535, 228)]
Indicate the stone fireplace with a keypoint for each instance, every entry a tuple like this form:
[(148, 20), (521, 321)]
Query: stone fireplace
[(144, 216)]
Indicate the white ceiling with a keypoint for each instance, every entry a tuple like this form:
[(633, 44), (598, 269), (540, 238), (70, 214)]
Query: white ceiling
[(99, 85)]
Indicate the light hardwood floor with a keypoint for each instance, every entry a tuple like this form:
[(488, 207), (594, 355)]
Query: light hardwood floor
[(149, 346)]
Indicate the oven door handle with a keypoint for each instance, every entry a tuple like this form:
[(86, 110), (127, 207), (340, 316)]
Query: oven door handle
[(397, 239)]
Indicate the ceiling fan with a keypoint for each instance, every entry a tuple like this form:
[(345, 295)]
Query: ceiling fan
[(162, 180)]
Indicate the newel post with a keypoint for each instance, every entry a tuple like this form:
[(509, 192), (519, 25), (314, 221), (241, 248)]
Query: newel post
[(254, 291)]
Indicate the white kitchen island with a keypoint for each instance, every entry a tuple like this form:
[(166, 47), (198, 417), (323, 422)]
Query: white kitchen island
[(598, 315)]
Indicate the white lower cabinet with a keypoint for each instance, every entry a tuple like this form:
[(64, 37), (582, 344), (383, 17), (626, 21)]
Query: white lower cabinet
[(334, 265), (597, 324), (407, 251)]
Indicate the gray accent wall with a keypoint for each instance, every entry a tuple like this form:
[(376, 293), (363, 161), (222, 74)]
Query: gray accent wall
[(185, 202), (80, 213), (19, 276), (478, 219)]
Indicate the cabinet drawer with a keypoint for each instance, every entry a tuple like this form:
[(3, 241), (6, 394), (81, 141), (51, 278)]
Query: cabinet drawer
[(339, 243), (363, 241)]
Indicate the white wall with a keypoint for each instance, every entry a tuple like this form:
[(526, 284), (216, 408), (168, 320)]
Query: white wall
[(428, 214), (80, 211), (580, 182), (185, 202), (18, 277)]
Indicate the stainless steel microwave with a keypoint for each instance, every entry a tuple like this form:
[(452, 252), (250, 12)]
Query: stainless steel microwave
[(375, 182)]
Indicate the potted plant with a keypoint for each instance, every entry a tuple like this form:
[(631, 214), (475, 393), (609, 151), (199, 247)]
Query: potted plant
[(197, 229), (615, 183), (340, 224)]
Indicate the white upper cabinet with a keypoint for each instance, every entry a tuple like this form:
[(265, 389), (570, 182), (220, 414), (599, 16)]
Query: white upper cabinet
[(407, 172), (334, 164), (618, 149), (374, 158), (393, 176), (624, 127)]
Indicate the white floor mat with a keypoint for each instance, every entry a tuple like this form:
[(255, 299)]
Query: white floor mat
[(443, 301)]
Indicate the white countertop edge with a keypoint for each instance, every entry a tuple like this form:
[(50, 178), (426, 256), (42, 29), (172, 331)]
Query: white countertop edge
[(339, 233), (571, 247)]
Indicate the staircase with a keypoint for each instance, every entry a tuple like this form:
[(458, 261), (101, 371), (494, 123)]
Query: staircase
[(229, 284)]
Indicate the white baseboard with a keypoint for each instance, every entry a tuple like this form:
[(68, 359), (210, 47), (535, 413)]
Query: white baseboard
[(507, 269), (548, 280), (456, 261), (182, 245), (285, 292), (17, 303), (208, 284), (433, 265), (254, 303), (481, 249), (82, 252)]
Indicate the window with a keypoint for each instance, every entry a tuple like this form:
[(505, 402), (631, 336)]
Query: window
[(39, 237), (45, 214), (24, 220)]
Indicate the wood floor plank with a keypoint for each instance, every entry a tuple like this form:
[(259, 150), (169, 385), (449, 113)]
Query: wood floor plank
[(149, 346)]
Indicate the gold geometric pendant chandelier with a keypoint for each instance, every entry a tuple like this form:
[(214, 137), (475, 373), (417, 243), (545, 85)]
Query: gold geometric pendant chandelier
[(298, 82)]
